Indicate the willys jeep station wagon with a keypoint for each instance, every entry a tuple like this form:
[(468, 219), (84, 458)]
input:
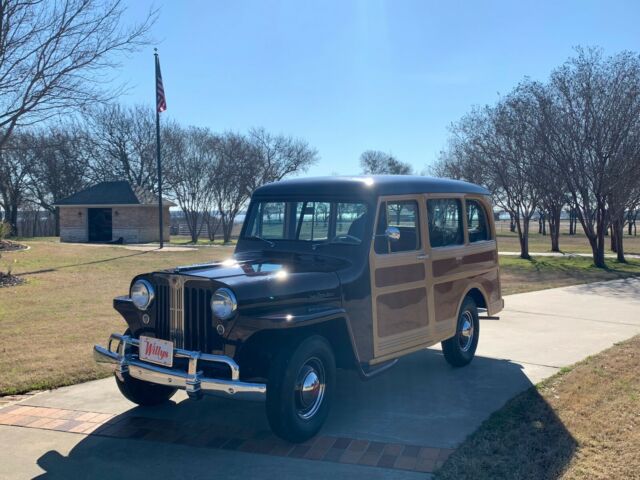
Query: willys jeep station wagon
[(347, 272)]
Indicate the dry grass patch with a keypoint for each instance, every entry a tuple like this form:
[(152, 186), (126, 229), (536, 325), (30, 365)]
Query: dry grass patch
[(49, 325), (583, 423)]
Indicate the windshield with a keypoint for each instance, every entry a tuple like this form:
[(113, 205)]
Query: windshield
[(307, 221)]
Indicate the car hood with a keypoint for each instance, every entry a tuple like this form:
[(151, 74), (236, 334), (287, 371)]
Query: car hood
[(270, 280)]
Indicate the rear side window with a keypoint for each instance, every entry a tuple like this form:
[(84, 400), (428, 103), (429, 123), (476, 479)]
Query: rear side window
[(403, 215), (477, 222), (445, 222)]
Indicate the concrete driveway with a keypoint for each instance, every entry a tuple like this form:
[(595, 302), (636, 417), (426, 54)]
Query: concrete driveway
[(402, 424)]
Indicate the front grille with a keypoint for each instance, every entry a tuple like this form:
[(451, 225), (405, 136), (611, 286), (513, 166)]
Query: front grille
[(183, 314)]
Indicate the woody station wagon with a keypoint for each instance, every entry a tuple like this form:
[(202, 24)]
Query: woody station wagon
[(335, 272)]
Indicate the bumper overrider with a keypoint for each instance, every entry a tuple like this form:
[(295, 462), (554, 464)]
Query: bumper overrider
[(192, 380)]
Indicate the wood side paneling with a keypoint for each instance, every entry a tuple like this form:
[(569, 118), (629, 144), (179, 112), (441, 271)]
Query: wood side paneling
[(399, 274), (401, 311), (447, 295)]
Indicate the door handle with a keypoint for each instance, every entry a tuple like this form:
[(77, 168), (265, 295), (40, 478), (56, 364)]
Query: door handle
[(422, 256)]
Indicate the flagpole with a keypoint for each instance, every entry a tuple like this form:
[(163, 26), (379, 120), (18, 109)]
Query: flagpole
[(160, 213)]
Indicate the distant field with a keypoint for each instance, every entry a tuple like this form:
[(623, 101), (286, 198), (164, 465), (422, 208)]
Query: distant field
[(578, 243)]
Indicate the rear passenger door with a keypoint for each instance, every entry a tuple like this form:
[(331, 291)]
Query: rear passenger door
[(462, 253), (398, 286), (446, 230)]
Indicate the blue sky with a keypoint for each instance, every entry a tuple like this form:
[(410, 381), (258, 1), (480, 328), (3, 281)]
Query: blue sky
[(355, 75)]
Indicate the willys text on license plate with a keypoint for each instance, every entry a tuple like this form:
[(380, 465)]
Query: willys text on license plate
[(156, 350)]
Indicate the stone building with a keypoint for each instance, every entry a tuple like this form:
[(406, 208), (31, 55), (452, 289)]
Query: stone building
[(112, 211)]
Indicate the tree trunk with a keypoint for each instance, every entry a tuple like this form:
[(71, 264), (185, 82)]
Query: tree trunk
[(613, 244), (573, 222), (227, 227), (617, 232), (554, 228), (56, 220), (523, 237), (13, 219), (598, 252), (512, 224)]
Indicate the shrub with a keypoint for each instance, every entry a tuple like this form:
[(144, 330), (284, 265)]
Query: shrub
[(5, 230)]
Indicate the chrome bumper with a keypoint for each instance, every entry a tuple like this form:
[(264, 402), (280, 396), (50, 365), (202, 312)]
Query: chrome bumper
[(191, 380)]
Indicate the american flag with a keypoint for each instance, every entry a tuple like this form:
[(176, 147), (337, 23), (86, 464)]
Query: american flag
[(161, 101)]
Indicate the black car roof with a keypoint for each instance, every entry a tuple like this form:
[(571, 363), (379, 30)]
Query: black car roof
[(368, 185)]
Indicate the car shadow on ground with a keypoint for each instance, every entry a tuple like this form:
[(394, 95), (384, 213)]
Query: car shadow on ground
[(420, 402)]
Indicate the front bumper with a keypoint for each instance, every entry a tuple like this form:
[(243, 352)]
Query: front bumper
[(192, 380)]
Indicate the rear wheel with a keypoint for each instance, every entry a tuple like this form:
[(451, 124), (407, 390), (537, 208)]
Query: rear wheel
[(143, 393), (300, 389), (460, 349)]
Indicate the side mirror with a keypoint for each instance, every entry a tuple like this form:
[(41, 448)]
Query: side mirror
[(392, 234)]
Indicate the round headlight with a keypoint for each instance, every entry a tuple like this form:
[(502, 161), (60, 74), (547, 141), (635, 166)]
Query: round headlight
[(142, 294), (223, 303)]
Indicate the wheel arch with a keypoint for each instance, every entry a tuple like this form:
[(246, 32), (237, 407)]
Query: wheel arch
[(477, 293), (262, 345)]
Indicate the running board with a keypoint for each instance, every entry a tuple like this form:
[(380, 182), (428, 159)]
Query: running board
[(367, 372)]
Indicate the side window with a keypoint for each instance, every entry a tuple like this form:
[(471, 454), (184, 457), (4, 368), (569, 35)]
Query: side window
[(445, 222), (477, 222), (404, 216)]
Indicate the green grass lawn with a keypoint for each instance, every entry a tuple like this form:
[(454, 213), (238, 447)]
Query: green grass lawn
[(518, 275)]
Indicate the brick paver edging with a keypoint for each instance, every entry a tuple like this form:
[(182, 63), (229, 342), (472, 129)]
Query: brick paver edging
[(322, 447)]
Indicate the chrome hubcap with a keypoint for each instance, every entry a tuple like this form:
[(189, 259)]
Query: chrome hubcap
[(310, 388), (465, 337)]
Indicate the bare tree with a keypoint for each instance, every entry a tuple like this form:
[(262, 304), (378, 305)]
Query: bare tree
[(591, 117), (59, 167), (15, 171), (122, 144), (276, 156), (496, 147), (56, 55), (553, 198), (235, 177), (375, 162), (190, 165)]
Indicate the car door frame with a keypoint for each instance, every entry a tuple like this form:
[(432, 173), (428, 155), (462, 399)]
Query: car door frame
[(397, 344), (454, 270)]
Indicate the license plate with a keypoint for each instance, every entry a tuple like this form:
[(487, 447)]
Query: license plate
[(155, 350)]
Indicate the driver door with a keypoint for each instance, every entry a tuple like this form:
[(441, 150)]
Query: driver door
[(398, 279)]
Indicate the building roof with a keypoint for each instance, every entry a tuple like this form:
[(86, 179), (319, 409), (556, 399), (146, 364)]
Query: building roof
[(113, 193), (371, 185)]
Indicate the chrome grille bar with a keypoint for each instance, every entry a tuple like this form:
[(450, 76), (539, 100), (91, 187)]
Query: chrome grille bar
[(176, 310)]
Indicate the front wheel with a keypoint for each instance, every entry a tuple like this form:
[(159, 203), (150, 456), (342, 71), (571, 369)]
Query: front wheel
[(460, 349), (143, 393), (300, 389)]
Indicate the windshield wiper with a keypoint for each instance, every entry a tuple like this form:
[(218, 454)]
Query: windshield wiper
[(256, 237)]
